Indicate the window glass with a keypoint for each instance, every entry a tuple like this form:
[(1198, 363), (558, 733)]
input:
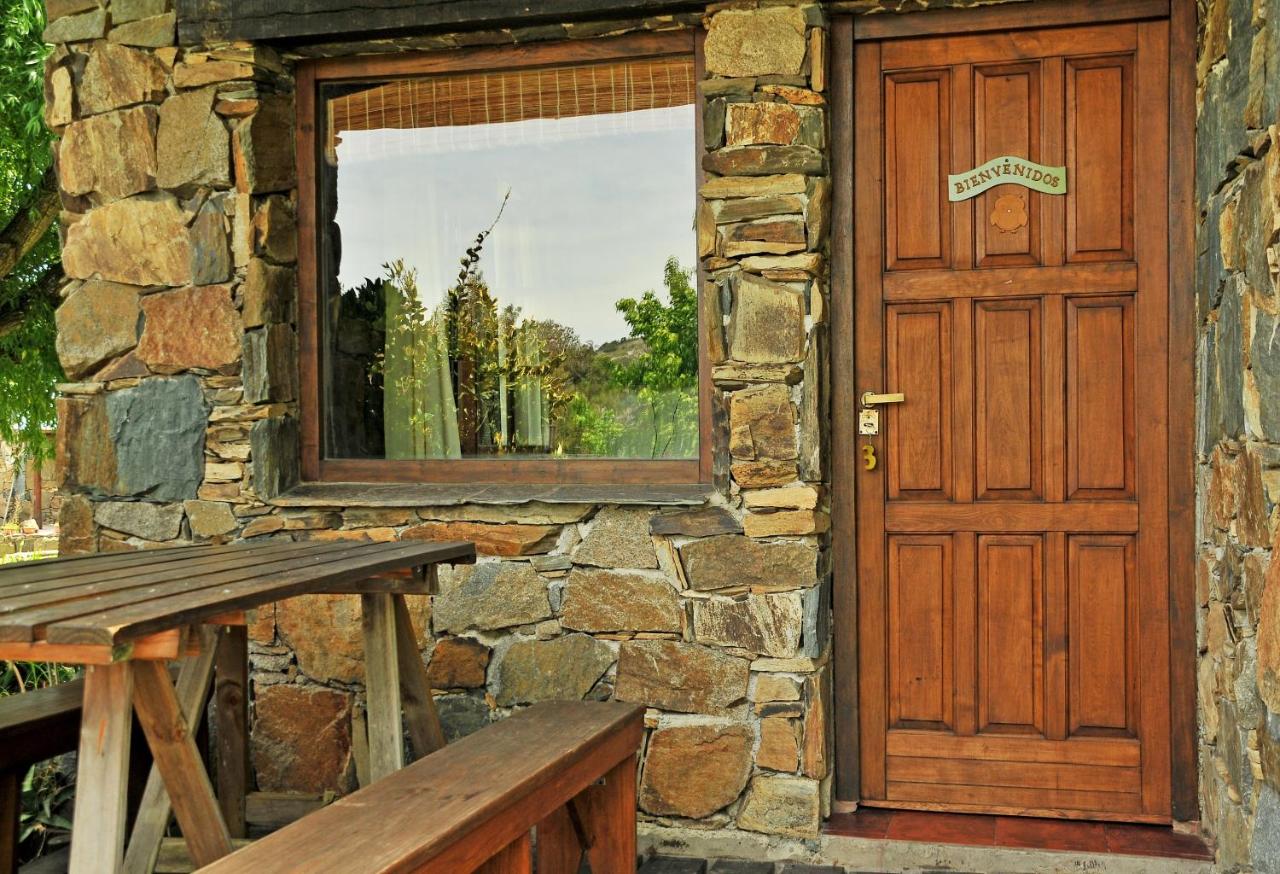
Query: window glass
[(507, 264)]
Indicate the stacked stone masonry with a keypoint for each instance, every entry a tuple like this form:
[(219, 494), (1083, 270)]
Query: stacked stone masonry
[(179, 422), (1238, 475)]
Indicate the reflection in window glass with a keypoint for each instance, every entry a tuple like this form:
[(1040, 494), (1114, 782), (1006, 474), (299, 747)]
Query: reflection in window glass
[(507, 264)]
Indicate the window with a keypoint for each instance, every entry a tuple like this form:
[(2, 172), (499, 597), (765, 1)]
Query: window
[(500, 275)]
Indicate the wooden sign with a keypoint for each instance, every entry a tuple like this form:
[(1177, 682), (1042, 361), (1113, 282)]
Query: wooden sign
[(1006, 170)]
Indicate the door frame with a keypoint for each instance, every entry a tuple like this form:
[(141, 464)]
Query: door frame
[(846, 30)]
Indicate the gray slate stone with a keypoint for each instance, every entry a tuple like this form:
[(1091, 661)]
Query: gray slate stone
[(545, 670), (1265, 356), (158, 429), (461, 715), (274, 444), (1229, 351), (1264, 851), (141, 519)]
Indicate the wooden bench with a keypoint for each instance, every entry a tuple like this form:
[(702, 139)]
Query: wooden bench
[(34, 726), (567, 769)]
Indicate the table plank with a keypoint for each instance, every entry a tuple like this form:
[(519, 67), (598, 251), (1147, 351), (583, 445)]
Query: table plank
[(76, 564), (49, 592), (23, 619), (203, 599)]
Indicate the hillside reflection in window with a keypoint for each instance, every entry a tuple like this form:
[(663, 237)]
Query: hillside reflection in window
[(507, 262)]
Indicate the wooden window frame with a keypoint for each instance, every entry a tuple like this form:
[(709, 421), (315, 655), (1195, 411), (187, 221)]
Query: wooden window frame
[(311, 74)]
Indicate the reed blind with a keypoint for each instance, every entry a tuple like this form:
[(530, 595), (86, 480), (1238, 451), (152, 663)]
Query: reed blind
[(460, 100)]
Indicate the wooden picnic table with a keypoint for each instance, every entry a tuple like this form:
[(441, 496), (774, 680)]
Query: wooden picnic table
[(124, 616)]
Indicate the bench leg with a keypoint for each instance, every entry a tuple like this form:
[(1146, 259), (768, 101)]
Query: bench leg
[(515, 858), (420, 716), (231, 710), (382, 685), (194, 677), (102, 770), (559, 850), (185, 778), (10, 819), (608, 815)]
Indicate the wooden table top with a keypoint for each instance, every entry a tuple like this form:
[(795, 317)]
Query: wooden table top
[(110, 600)]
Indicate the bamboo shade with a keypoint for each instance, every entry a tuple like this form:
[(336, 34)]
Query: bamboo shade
[(467, 99)]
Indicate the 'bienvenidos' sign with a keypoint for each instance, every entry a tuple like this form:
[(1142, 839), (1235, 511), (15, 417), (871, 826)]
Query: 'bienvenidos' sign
[(1007, 170)]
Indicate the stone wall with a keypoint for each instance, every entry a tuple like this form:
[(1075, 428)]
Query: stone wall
[(1238, 582), (178, 331)]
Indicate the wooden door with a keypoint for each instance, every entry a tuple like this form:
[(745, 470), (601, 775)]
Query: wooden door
[(1012, 539)]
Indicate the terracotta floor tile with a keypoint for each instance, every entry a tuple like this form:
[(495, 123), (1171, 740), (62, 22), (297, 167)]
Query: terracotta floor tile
[(1151, 840), (868, 822), (943, 828), (1051, 834)]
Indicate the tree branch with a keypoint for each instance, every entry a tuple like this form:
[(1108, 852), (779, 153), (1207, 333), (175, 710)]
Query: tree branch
[(46, 288), (29, 224)]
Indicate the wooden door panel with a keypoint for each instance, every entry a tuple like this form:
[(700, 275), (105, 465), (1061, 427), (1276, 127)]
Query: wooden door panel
[(917, 109), (1006, 121), (1101, 451), (920, 631), (1101, 661), (918, 359), (1007, 395), (1010, 678), (1099, 108), (1011, 544)]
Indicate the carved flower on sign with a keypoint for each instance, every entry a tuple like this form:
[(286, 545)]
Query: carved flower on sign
[(1010, 213)]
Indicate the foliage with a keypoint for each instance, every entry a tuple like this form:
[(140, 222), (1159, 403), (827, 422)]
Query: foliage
[(665, 375), (28, 363)]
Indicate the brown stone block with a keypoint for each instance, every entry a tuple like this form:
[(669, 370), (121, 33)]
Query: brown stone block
[(325, 633), (769, 625), (76, 533), (263, 148), (148, 240), (762, 422), (112, 155), (764, 161), (785, 522), (191, 327), (782, 806), (458, 663), (695, 770), (767, 324), (778, 749), (734, 561), (683, 677), (756, 42), (194, 147), (503, 540), (750, 124), (275, 232), (597, 600), (96, 323), (762, 474), (85, 452), (117, 76), (301, 739)]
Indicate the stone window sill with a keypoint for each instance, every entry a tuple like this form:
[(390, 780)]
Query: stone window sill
[(326, 494)]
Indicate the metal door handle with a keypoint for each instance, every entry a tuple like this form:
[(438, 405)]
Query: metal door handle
[(871, 399)]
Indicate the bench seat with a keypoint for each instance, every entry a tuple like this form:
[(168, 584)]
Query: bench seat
[(34, 726), (471, 805)]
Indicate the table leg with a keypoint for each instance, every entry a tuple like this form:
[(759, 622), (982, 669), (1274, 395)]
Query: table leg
[(382, 685), (102, 772), (194, 679), (425, 731), (231, 710), (176, 756)]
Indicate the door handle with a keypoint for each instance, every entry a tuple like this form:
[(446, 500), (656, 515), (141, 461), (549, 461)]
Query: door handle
[(871, 399)]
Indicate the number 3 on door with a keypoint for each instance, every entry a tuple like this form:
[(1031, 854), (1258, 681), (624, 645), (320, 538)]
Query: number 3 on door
[(869, 456)]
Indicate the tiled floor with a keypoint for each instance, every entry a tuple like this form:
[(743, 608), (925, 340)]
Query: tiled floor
[(1015, 831)]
